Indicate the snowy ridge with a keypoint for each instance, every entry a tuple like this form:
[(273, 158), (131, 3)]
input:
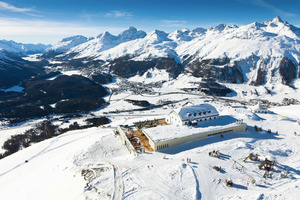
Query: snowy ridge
[(155, 44), (67, 43), (106, 41), (271, 38), (14, 47)]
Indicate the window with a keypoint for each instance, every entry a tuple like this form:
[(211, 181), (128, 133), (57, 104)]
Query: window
[(215, 117), (209, 111), (199, 113), (189, 114), (195, 114), (204, 113)]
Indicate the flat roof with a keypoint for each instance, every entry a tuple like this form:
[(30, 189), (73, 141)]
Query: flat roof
[(169, 132)]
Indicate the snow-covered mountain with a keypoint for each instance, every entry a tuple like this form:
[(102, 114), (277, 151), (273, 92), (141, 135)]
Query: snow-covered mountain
[(105, 41), (19, 48), (65, 45), (259, 53)]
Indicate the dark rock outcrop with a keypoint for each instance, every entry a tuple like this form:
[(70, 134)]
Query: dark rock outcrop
[(210, 87), (218, 69), (287, 70), (261, 74), (125, 67)]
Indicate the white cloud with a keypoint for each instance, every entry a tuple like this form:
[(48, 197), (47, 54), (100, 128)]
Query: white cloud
[(173, 23), (9, 7), (118, 14), (35, 31)]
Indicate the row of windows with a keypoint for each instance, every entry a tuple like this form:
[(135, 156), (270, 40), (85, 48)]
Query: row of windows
[(162, 146), (199, 113), (200, 120)]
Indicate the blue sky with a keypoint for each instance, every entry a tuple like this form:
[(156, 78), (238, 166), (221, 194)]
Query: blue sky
[(49, 21)]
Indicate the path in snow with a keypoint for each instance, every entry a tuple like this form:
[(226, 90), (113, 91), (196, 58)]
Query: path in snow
[(118, 183)]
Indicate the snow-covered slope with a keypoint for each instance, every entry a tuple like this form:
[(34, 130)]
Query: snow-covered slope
[(271, 38), (65, 45), (155, 44), (94, 164)]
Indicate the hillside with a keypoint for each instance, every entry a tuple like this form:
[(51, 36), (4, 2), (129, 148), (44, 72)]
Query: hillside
[(94, 164)]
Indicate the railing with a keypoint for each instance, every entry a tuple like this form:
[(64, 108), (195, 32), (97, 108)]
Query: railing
[(127, 143)]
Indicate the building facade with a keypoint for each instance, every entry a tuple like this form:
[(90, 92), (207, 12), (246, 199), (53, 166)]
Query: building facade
[(192, 115), (259, 109), (170, 142)]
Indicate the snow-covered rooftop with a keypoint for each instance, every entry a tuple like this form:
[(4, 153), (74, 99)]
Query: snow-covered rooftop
[(191, 112), (259, 107), (168, 132)]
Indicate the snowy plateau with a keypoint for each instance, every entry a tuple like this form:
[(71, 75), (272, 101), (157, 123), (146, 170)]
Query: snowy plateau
[(255, 63)]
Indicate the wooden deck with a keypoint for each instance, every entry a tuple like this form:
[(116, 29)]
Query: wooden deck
[(143, 139)]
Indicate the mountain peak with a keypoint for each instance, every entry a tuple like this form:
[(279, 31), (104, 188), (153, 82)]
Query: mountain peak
[(130, 34), (105, 35), (75, 37), (185, 30), (220, 27), (159, 33), (275, 20), (199, 30)]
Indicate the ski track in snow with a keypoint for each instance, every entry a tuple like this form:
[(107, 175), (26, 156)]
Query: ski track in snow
[(118, 183), (199, 186)]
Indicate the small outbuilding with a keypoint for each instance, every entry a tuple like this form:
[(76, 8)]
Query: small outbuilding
[(259, 109)]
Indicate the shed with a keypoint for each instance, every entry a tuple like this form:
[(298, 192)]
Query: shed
[(259, 109)]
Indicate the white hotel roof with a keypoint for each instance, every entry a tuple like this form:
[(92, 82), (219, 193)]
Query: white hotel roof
[(186, 110), (168, 132)]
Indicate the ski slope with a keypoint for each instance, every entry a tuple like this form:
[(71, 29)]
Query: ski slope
[(93, 164)]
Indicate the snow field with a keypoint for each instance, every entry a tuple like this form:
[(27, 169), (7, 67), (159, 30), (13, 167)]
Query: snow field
[(93, 163)]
